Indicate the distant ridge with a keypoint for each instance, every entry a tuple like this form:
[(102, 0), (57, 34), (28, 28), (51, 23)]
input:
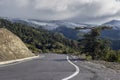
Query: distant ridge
[(113, 23)]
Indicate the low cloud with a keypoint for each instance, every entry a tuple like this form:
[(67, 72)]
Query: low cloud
[(91, 11)]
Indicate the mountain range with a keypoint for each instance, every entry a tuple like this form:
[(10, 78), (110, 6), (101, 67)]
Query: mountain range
[(64, 27), (68, 28), (50, 24)]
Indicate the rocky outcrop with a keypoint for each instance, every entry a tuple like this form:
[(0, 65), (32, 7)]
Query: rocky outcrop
[(12, 47)]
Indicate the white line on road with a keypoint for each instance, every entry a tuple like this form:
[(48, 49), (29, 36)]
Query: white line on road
[(75, 73), (17, 61)]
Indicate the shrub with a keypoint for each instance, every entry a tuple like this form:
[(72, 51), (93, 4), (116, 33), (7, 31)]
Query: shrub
[(111, 56)]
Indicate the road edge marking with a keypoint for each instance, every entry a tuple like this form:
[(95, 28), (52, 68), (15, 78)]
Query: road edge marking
[(17, 61), (75, 73)]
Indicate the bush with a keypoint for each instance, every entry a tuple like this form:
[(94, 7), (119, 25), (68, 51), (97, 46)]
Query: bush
[(118, 55), (111, 56), (88, 57)]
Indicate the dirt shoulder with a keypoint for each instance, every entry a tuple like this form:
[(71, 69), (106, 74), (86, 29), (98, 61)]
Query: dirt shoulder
[(112, 65)]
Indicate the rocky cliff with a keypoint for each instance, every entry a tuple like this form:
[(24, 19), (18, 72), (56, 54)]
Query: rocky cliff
[(11, 47)]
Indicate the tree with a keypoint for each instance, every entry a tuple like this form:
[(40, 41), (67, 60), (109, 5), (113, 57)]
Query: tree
[(94, 45)]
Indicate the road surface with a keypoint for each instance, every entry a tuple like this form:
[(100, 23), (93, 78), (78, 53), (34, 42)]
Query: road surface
[(56, 67)]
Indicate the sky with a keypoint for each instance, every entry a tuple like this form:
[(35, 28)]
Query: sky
[(84, 11)]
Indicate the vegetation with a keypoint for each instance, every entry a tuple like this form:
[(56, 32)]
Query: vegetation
[(40, 40), (97, 47)]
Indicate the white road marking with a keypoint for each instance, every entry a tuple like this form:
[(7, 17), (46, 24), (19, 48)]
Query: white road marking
[(75, 73), (18, 61)]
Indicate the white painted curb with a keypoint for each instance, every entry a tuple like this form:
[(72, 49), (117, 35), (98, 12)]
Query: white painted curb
[(18, 60)]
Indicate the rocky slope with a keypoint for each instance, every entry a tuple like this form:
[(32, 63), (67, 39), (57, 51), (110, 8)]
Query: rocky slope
[(11, 47)]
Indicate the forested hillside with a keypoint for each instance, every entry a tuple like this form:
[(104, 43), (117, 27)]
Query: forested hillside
[(41, 40)]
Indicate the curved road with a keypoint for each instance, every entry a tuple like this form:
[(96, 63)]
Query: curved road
[(56, 67)]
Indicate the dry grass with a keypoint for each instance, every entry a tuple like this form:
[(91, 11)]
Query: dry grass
[(11, 47)]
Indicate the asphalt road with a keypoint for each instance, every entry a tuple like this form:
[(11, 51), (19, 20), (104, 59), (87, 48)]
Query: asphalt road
[(57, 67)]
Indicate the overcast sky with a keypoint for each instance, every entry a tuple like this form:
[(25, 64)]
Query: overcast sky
[(87, 11)]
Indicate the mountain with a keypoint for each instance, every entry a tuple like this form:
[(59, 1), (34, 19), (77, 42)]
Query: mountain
[(12, 47), (64, 27), (113, 34), (68, 32), (113, 23)]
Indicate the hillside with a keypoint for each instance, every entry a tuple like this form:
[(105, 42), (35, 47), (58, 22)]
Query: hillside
[(41, 40), (68, 32), (11, 47)]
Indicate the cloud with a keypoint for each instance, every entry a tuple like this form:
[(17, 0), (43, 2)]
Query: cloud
[(73, 10)]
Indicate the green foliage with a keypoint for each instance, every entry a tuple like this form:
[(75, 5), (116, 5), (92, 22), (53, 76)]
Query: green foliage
[(33, 49), (118, 55), (94, 45), (88, 57), (98, 48), (40, 40), (111, 56)]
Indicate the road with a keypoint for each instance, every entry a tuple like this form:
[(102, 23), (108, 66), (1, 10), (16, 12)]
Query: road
[(57, 67)]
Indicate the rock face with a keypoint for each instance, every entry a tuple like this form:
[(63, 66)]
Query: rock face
[(12, 47)]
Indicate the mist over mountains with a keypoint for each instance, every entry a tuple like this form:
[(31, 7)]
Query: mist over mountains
[(64, 27), (68, 28)]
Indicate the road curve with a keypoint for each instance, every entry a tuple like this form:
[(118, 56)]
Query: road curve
[(57, 67), (75, 73)]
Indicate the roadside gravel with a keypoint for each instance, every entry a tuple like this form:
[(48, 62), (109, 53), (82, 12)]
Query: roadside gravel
[(112, 65)]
